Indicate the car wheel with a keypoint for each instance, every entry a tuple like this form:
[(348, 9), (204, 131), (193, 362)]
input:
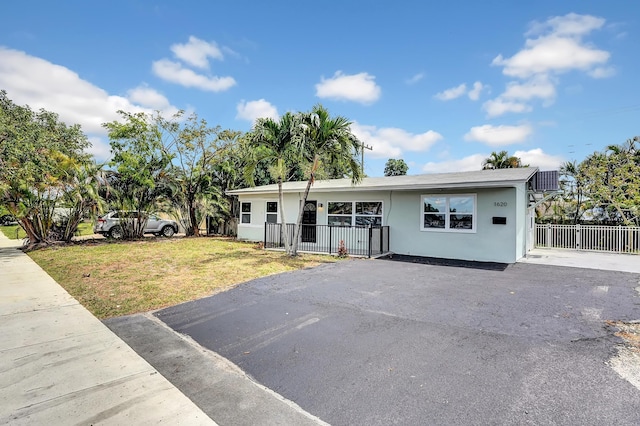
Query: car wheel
[(168, 231), (116, 232)]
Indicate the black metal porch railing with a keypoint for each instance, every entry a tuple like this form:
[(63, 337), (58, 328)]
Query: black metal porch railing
[(358, 240)]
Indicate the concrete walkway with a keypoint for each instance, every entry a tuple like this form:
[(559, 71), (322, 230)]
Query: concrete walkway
[(584, 259), (60, 365)]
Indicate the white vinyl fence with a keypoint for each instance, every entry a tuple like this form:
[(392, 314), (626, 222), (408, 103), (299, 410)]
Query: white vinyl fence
[(616, 239)]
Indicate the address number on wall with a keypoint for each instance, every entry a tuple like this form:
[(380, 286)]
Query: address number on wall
[(500, 203)]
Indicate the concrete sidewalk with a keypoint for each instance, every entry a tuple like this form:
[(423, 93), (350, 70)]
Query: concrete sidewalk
[(60, 365), (584, 259)]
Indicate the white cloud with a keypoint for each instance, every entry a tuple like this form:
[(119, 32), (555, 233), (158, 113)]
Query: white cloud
[(461, 90), (148, 97), (174, 72), (570, 25), (498, 106), (391, 142), (360, 88), (196, 51), (453, 93), (537, 87), (474, 94), (554, 47), (534, 158), (538, 158), (466, 164), (42, 84), (252, 110), (602, 72), (552, 54), (499, 135), (416, 78), (559, 48)]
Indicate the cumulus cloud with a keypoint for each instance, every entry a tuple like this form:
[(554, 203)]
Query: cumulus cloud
[(534, 158), (360, 88), (553, 47), (175, 72), (570, 25), (498, 106), (42, 84), (602, 72), (552, 54), (538, 158), (537, 87), (196, 52), (502, 135), (466, 164), (148, 97), (416, 78), (453, 93), (252, 110), (461, 90), (474, 94), (391, 142)]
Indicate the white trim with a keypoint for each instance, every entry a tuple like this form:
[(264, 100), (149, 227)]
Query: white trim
[(250, 213), (277, 212), (353, 214), (447, 214)]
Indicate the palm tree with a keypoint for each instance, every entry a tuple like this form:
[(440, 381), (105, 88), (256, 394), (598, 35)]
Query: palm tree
[(327, 142), (502, 160), (278, 144)]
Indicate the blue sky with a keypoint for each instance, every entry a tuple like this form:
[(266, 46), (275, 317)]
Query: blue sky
[(439, 84)]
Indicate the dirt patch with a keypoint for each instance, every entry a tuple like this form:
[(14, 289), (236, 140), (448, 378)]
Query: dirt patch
[(627, 361)]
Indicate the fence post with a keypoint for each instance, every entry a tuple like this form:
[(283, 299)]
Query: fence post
[(370, 233), (265, 234), (619, 238), (578, 237), (549, 245), (330, 239)]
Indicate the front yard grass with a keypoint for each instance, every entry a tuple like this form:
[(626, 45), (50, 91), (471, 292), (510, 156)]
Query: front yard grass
[(119, 278)]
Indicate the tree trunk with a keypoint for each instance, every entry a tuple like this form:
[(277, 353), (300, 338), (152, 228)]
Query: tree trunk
[(284, 232), (195, 228), (303, 202)]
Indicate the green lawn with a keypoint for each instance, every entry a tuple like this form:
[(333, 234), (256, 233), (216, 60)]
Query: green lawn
[(112, 278), (16, 232)]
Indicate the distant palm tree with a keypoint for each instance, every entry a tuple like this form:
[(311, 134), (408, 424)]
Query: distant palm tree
[(502, 160)]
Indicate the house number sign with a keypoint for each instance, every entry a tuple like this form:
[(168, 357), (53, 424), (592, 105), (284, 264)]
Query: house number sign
[(500, 203)]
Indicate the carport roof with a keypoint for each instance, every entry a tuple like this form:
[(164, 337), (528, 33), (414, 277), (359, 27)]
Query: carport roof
[(475, 179)]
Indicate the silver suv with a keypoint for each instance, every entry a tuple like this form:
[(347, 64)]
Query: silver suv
[(109, 224)]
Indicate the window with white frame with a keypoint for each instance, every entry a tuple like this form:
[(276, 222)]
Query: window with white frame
[(358, 213), (272, 212), (245, 212), (452, 213)]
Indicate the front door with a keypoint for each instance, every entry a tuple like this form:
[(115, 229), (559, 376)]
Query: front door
[(309, 218)]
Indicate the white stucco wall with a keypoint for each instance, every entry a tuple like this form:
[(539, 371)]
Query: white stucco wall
[(493, 243), (402, 213)]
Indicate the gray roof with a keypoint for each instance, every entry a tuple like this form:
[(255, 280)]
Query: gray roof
[(476, 179)]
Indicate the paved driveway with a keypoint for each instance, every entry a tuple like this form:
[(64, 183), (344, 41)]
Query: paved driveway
[(379, 342)]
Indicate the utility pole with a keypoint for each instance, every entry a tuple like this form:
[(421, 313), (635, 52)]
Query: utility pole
[(365, 146)]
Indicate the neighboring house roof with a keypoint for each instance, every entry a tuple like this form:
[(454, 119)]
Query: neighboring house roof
[(476, 179)]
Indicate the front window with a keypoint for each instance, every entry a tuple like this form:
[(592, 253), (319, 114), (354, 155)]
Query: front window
[(358, 213), (272, 212), (245, 215), (454, 213)]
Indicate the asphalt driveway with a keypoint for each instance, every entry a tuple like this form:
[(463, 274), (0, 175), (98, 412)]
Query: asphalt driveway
[(378, 342)]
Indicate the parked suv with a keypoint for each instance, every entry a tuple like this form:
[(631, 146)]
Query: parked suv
[(109, 224)]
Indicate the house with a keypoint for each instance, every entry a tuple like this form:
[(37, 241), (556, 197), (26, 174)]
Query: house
[(483, 215)]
